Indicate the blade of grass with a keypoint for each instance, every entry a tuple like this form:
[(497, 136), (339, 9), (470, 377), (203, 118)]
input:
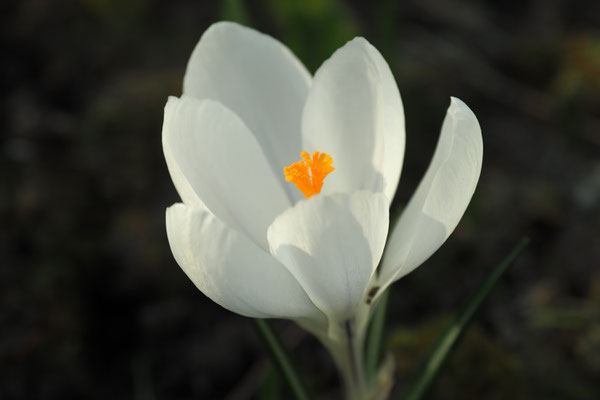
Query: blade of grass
[(448, 339), (271, 387), (375, 337), (281, 359), (236, 11)]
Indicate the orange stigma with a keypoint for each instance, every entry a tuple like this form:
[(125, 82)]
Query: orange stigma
[(298, 173)]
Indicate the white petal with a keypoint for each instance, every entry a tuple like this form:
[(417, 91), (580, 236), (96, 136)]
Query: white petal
[(332, 244), (441, 198), (183, 186), (354, 113), (392, 122), (232, 271), (260, 80), (212, 154)]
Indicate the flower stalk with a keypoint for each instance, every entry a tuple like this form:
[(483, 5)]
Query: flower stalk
[(347, 353)]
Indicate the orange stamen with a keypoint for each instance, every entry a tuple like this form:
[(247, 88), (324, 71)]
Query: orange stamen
[(298, 173)]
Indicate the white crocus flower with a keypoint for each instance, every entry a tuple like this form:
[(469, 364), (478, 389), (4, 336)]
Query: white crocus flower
[(247, 236)]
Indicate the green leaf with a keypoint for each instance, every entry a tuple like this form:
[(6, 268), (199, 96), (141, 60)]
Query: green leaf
[(312, 29), (375, 337), (457, 327), (235, 10), (271, 387), (281, 359)]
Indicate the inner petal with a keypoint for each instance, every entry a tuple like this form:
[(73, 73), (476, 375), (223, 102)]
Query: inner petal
[(260, 80), (224, 165), (331, 244)]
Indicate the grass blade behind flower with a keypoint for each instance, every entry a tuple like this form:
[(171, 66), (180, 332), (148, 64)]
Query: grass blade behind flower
[(281, 359), (446, 342)]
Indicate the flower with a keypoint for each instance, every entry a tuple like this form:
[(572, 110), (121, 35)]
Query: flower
[(265, 236)]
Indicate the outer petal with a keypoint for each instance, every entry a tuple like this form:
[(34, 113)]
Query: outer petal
[(354, 113), (259, 79), (441, 198), (232, 271), (331, 245), (215, 160)]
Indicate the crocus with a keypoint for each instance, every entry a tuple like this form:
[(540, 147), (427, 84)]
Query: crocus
[(286, 180)]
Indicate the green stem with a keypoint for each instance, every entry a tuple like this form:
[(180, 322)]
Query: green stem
[(375, 337), (347, 353), (281, 359), (355, 360)]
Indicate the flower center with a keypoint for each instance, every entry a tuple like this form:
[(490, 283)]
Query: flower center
[(298, 173)]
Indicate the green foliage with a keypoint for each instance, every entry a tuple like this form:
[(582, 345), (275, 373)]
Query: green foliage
[(281, 359), (271, 388), (118, 14), (375, 337), (455, 330), (480, 367), (313, 29), (235, 10)]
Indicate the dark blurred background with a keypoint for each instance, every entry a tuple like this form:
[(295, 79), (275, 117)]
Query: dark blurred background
[(92, 304)]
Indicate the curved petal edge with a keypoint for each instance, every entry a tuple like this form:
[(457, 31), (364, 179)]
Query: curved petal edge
[(233, 271), (332, 244), (354, 113), (216, 162), (259, 79), (441, 198)]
